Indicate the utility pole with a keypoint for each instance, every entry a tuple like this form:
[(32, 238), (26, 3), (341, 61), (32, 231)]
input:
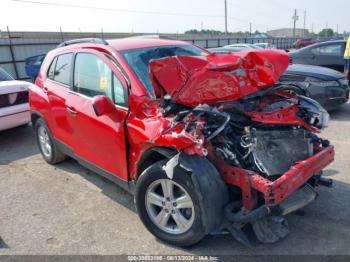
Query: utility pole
[(337, 29), (62, 38), (250, 28), (226, 17), (295, 18), (304, 32)]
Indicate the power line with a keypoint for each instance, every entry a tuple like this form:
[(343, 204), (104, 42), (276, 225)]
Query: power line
[(131, 10), (116, 9)]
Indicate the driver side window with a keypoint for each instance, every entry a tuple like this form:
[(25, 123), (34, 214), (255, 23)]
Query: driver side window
[(93, 77)]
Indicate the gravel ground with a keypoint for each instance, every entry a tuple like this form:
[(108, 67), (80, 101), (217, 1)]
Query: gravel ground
[(67, 209)]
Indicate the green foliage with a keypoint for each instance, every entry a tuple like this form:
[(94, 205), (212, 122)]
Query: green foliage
[(326, 32), (203, 32)]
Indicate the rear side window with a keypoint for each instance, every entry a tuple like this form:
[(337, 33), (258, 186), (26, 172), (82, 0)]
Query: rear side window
[(333, 50), (60, 69), (51, 72), (93, 77)]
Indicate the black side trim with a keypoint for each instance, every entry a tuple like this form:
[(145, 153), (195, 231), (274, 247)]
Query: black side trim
[(15, 113), (126, 185)]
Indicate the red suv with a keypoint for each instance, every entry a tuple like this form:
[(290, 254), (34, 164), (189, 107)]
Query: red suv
[(300, 43), (207, 143)]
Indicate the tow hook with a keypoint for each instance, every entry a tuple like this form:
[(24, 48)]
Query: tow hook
[(318, 180), (327, 182)]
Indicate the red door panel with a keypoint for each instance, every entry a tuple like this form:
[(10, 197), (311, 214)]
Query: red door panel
[(98, 140)]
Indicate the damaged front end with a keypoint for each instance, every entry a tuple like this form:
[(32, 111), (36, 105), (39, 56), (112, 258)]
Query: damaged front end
[(262, 140)]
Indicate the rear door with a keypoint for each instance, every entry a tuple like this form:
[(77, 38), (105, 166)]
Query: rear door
[(57, 88), (100, 141)]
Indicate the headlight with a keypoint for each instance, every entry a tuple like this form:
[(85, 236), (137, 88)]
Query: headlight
[(318, 116), (344, 82), (12, 98), (322, 83)]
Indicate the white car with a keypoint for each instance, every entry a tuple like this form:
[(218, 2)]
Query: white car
[(266, 45), (14, 107), (243, 46)]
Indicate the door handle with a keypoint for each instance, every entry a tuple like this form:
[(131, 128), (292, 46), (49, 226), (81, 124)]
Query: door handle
[(71, 111)]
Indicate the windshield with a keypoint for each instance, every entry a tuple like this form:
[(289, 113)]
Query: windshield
[(4, 76), (139, 59)]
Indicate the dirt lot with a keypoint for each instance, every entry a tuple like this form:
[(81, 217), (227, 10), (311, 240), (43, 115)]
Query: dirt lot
[(66, 209)]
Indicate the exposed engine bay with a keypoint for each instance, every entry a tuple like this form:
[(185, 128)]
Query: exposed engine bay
[(261, 139), (267, 149), (260, 146)]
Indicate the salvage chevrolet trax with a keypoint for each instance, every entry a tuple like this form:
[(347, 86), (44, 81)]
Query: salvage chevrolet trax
[(207, 143)]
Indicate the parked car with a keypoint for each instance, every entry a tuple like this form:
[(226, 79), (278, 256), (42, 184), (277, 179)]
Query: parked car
[(329, 54), (300, 43), (243, 46), (32, 65), (14, 107), (326, 86), (225, 50), (185, 131), (266, 45)]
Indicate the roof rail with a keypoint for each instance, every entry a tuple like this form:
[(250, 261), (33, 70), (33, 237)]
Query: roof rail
[(83, 40)]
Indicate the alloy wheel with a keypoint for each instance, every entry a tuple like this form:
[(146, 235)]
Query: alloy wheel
[(169, 206)]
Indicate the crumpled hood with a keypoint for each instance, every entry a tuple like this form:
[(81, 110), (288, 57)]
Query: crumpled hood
[(216, 78)]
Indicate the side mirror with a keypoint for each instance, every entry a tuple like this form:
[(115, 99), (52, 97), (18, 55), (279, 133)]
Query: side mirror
[(103, 105)]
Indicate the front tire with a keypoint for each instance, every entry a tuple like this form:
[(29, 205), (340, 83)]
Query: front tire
[(170, 208), (47, 146)]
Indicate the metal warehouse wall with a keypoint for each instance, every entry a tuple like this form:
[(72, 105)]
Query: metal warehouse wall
[(16, 48), (13, 53)]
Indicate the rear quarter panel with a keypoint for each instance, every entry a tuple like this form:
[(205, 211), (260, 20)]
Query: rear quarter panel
[(38, 101)]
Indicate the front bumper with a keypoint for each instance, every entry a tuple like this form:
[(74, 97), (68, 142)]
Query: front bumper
[(14, 116), (274, 192)]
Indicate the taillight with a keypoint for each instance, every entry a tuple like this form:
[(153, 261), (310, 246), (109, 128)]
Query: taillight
[(22, 97), (13, 99)]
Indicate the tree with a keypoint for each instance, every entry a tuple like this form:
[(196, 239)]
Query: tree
[(326, 32), (204, 32)]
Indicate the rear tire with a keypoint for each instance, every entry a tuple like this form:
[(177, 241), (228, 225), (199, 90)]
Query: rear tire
[(190, 217), (46, 144)]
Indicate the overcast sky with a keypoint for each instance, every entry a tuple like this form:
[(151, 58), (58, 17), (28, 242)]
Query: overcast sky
[(170, 16)]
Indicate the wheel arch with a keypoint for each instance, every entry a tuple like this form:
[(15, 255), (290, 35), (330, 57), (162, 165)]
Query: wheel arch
[(34, 116), (152, 156)]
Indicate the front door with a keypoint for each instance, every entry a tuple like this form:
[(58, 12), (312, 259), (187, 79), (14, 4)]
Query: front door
[(100, 141)]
